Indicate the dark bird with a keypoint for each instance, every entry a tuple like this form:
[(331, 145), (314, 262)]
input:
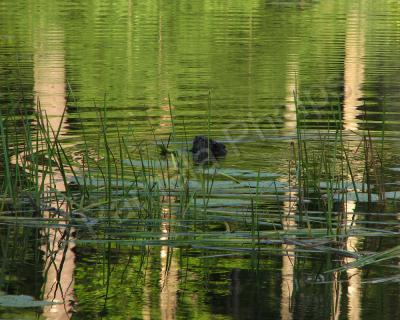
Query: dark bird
[(206, 150)]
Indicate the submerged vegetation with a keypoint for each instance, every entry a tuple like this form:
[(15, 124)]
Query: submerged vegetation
[(126, 192), (124, 197)]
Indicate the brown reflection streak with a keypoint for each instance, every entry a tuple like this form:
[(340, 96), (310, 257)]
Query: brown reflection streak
[(290, 106), (353, 275), (49, 75), (58, 274), (353, 69), (288, 260), (353, 81), (289, 206), (287, 282), (169, 278), (168, 274), (336, 296), (165, 125), (49, 88)]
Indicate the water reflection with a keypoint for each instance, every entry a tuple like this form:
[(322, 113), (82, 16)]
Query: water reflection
[(354, 66), (290, 105), (251, 55), (169, 280), (288, 265), (353, 69), (50, 94), (353, 275)]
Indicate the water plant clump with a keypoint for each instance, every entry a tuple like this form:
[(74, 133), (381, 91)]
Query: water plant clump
[(126, 191)]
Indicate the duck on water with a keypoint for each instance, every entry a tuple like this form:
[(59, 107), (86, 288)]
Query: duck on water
[(207, 150)]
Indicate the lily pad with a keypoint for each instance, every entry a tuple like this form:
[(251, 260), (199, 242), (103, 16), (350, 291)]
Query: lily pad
[(345, 185), (360, 196), (247, 173), (392, 195), (23, 301)]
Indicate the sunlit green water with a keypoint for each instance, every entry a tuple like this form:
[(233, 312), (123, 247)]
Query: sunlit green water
[(241, 60)]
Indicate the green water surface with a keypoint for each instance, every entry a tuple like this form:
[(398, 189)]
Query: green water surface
[(227, 68)]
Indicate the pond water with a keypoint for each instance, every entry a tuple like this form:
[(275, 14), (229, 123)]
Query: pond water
[(264, 77)]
